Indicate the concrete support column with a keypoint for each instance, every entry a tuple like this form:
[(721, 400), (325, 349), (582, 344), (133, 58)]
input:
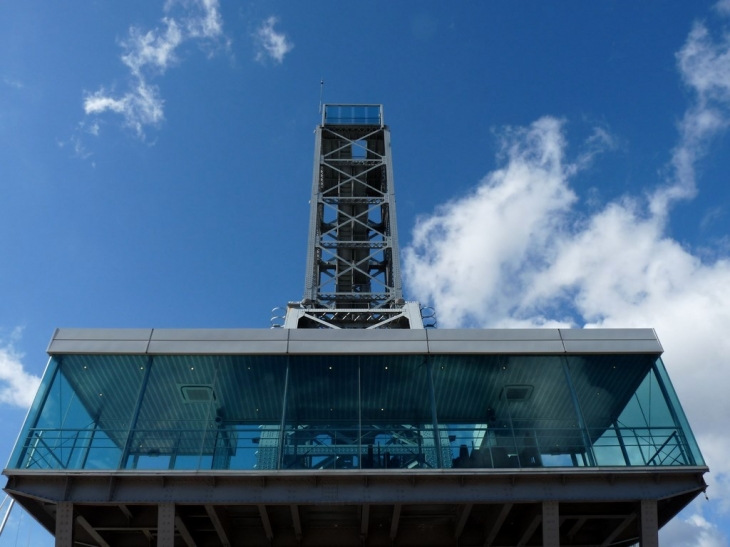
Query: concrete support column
[(550, 524), (649, 524), (166, 525), (65, 524)]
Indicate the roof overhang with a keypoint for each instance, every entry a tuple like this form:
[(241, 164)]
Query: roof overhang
[(352, 341)]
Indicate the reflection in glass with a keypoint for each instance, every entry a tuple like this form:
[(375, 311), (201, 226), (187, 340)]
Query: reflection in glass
[(185, 412)]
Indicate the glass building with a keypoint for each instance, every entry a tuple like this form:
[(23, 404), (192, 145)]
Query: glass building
[(484, 419)]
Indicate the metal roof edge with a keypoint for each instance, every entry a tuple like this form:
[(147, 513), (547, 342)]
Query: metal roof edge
[(305, 341)]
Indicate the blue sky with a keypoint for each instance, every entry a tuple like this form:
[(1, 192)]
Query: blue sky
[(556, 163)]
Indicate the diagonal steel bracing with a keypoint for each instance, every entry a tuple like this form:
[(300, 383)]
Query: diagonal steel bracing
[(353, 254)]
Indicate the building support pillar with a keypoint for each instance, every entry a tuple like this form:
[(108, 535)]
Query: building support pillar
[(649, 524), (166, 525), (550, 524), (65, 524)]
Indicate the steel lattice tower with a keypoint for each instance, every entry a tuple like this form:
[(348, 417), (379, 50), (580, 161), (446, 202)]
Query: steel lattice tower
[(353, 268)]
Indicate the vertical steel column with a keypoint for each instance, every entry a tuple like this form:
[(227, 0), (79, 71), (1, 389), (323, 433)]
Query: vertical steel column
[(392, 228), (550, 524), (359, 413), (434, 416), (166, 524), (65, 524), (135, 415), (310, 279), (621, 442), (649, 523), (587, 443), (88, 446), (282, 423), (675, 417), (502, 367)]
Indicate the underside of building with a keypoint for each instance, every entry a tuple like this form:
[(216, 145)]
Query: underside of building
[(355, 437)]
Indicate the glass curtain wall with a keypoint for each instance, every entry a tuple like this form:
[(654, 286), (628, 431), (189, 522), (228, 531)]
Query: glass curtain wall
[(354, 412)]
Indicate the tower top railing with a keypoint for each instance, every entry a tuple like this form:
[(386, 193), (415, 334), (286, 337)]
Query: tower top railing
[(352, 114)]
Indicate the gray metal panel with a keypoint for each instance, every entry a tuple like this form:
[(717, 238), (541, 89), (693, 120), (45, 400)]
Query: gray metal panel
[(102, 334), (188, 335), (339, 335), (349, 347), (357, 341), (492, 334), (99, 341), (611, 341), (613, 346), (495, 341), (97, 346), (496, 346), (608, 334), (350, 341), (217, 347)]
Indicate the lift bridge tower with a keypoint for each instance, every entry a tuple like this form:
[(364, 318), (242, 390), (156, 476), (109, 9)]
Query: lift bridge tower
[(353, 266), (354, 425)]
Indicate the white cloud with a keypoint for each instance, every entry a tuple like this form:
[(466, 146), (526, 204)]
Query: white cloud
[(692, 531), (140, 107), (17, 386), (150, 54), (704, 65), (469, 257), (93, 129), (520, 251), (207, 23), (76, 146), (151, 50), (271, 43), (17, 84)]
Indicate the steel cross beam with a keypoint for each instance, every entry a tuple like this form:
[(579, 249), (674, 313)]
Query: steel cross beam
[(353, 259)]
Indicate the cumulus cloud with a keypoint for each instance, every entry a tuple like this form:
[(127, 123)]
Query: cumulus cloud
[(469, 257), (272, 44), (149, 54), (694, 531), (723, 6), (17, 386), (519, 251)]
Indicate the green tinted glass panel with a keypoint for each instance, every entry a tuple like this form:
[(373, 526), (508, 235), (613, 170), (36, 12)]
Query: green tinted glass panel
[(322, 414), (85, 418), (186, 412), (397, 427)]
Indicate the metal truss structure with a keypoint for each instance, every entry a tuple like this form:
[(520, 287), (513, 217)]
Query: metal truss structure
[(353, 271)]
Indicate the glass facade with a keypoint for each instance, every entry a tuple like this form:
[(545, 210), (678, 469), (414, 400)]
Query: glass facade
[(352, 114), (354, 412)]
